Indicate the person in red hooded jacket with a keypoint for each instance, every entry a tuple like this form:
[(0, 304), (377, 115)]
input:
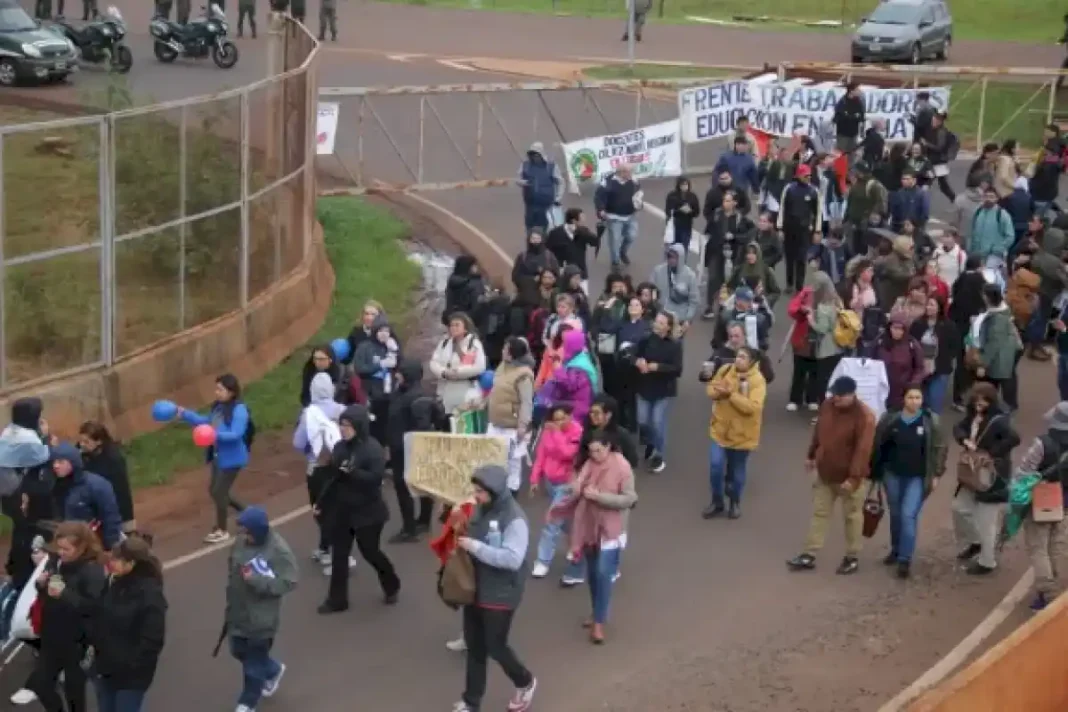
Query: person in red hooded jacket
[(804, 386)]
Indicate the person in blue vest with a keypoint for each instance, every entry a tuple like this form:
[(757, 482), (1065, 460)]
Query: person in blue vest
[(543, 187)]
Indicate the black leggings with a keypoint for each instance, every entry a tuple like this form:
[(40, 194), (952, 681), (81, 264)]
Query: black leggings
[(406, 502), (219, 486), (316, 480), (946, 188), (795, 245), (369, 543), (45, 677), (486, 634), (804, 386)]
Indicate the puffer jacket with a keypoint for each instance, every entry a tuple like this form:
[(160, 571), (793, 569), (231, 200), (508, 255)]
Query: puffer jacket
[(575, 381), (254, 604), (737, 417)]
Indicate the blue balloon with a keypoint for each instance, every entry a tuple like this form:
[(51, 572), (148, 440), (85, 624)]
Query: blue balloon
[(341, 349), (485, 380), (164, 411)]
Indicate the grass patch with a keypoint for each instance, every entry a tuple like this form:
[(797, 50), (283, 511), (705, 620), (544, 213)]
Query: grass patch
[(1034, 20), (652, 71), (363, 243)]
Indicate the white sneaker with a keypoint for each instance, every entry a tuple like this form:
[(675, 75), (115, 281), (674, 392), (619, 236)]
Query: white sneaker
[(791, 407), (271, 686), (523, 697), (217, 537), (320, 556), (327, 567), (326, 558), (462, 706), (457, 646), (244, 708), (539, 570), (813, 407), (569, 581), (616, 575), (23, 697)]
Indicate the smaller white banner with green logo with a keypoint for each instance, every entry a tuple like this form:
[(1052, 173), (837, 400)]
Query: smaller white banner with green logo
[(651, 152)]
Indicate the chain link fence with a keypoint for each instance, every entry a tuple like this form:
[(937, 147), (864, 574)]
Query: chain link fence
[(119, 230)]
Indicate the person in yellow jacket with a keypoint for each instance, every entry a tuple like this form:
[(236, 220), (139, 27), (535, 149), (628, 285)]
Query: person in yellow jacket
[(737, 391)]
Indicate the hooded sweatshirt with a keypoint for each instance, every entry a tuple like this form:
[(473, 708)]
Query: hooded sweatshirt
[(679, 291), (21, 447), (86, 497), (353, 495), (500, 537), (964, 208), (576, 381), (903, 359), (554, 458), (318, 432), (254, 604), (463, 289), (405, 412), (542, 183)]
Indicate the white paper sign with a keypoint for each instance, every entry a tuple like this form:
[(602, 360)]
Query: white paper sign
[(326, 128), (785, 109), (651, 152)]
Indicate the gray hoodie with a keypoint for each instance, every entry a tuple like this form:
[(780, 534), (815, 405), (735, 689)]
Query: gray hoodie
[(254, 603), (964, 209), (502, 536), (679, 291)]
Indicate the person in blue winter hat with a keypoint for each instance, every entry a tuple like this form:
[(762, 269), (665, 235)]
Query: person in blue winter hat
[(262, 570)]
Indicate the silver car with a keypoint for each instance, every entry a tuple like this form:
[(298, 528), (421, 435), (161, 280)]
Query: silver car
[(904, 30)]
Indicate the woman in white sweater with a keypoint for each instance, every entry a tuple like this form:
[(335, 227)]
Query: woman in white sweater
[(457, 362)]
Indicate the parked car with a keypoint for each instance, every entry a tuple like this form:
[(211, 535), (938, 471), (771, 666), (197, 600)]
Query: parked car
[(29, 51), (904, 30)]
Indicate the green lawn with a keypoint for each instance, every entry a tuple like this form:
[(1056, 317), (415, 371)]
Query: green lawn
[(1034, 20), (363, 242)]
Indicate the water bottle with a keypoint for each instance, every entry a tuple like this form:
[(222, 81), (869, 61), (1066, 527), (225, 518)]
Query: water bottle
[(494, 536)]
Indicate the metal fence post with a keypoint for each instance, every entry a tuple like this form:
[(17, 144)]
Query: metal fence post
[(244, 266), (1052, 99), (107, 240), (183, 227), (982, 112), (3, 273), (422, 131)]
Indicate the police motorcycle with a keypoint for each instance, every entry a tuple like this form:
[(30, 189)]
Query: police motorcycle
[(100, 41), (197, 39)]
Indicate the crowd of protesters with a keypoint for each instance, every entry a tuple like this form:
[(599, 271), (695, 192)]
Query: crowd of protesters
[(887, 326)]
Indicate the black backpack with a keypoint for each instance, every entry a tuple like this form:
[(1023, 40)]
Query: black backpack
[(1056, 471), (250, 431)]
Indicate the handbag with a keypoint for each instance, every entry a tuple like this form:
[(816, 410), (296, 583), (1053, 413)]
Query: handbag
[(975, 470), (1047, 502), (456, 582), (26, 619), (669, 232), (874, 509)]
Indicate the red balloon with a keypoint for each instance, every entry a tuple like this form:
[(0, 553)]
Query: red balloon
[(204, 436)]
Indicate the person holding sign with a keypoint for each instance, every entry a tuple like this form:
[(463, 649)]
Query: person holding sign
[(800, 216)]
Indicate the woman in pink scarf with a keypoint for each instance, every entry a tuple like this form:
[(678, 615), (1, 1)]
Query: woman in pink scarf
[(602, 495)]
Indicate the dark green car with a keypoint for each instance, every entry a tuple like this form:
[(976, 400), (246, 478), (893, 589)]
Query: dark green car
[(29, 52)]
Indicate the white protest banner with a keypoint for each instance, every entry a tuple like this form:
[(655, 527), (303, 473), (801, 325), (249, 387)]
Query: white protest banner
[(651, 152), (786, 108), (326, 128)]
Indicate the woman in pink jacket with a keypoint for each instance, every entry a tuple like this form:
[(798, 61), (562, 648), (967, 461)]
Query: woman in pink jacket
[(576, 380), (554, 463)]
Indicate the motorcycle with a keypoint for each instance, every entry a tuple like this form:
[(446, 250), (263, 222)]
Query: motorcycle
[(101, 41), (196, 39)]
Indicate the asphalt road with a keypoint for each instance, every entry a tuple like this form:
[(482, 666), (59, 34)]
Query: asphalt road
[(705, 616)]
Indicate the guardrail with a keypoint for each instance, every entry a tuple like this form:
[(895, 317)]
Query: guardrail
[(160, 217), (420, 137)]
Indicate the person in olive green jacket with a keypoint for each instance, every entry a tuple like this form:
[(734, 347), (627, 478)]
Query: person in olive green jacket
[(822, 320), (999, 344)]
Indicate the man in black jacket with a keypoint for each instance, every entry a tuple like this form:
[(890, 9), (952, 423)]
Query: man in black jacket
[(848, 120), (411, 410), (726, 230), (965, 303), (353, 510), (568, 242), (714, 197), (800, 216)]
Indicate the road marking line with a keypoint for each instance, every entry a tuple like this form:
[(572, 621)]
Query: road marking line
[(456, 65), (404, 57), (966, 647)]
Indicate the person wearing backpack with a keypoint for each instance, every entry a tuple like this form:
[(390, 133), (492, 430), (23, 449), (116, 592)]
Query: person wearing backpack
[(992, 231), (985, 428), (229, 455), (1046, 541)]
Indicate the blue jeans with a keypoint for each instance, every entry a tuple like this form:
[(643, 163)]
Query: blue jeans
[(108, 699), (257, 665), (652, 422), (734, 462), (550, 533), (934, 391), (683, 237), (904, 499), (621, 235), (601, 567), (1062, 375)]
